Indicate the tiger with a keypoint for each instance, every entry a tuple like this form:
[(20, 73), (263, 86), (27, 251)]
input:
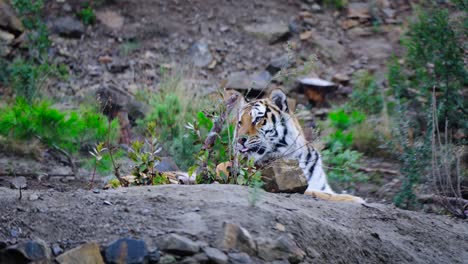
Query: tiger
[(267, 130)]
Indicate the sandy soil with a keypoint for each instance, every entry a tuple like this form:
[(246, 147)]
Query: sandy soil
[(328, 232)]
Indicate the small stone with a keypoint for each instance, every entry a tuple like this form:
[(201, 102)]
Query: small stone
[(349, 23), (85, 254), (33, 197), (167, 259), (153, 257), (272, 32), (305, 35), (179, 245), (56, 249), (278, 63), (117, 66), (8, 18), (18, 182), (280, 227), (240, 258), (200, 54), (96, 190), (215, 255), (358, 10), (110, 19), (236, 237), (30, 251), (341, 78), (6, 38), (389, 13), (105, 59), (107, 202), (282, 248), (68, 26), (126, 250)]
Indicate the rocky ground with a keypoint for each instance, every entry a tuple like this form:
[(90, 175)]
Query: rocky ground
[(294, 228)]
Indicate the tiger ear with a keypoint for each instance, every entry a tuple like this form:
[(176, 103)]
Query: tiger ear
[(279, 99)]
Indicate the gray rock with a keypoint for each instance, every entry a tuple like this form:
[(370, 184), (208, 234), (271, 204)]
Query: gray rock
[(153, 257), (278, 63), (200, 54), (33, 197), (260, 80), (56, 249), (279, 249), (18, 182), (196, 259), (284, 176), (216, 256), (167, 164), (332, 48), (111, 19), (272, 32), (68, 26), (117, 66), (179, 245), (236, 237), (8, 18), (88, 253), (126, 250), (243, 82), (240, 258), (30, 251)]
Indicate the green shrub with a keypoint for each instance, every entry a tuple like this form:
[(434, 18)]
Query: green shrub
[(87, 15), (426, 87), (68, 130), (340, 161), (366, 96)]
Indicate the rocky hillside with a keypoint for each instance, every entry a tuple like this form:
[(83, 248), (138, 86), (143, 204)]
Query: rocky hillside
[(277, 227)]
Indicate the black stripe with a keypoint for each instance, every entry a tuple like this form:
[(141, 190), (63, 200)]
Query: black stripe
[(261, 151), (323, 187), (311, 170)]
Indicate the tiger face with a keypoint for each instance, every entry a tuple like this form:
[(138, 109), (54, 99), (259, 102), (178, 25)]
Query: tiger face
[(261, 130)]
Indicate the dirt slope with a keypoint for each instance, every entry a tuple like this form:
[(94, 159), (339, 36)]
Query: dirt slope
[(328, 232)]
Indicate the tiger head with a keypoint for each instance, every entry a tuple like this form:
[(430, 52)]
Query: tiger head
[(261, 126)]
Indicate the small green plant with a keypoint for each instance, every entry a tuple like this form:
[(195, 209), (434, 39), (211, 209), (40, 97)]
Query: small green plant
[(97, 154), (128, 47), (337, 4), (342, 123), (366, 96), (342, 162), (27, 78), (114, 183), (87, 15), (144, 154)]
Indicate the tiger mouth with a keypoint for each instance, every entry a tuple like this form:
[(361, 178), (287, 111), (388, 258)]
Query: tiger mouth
[(249, 149)]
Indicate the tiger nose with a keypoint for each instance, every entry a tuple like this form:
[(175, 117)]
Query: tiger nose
[(242, 140)]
